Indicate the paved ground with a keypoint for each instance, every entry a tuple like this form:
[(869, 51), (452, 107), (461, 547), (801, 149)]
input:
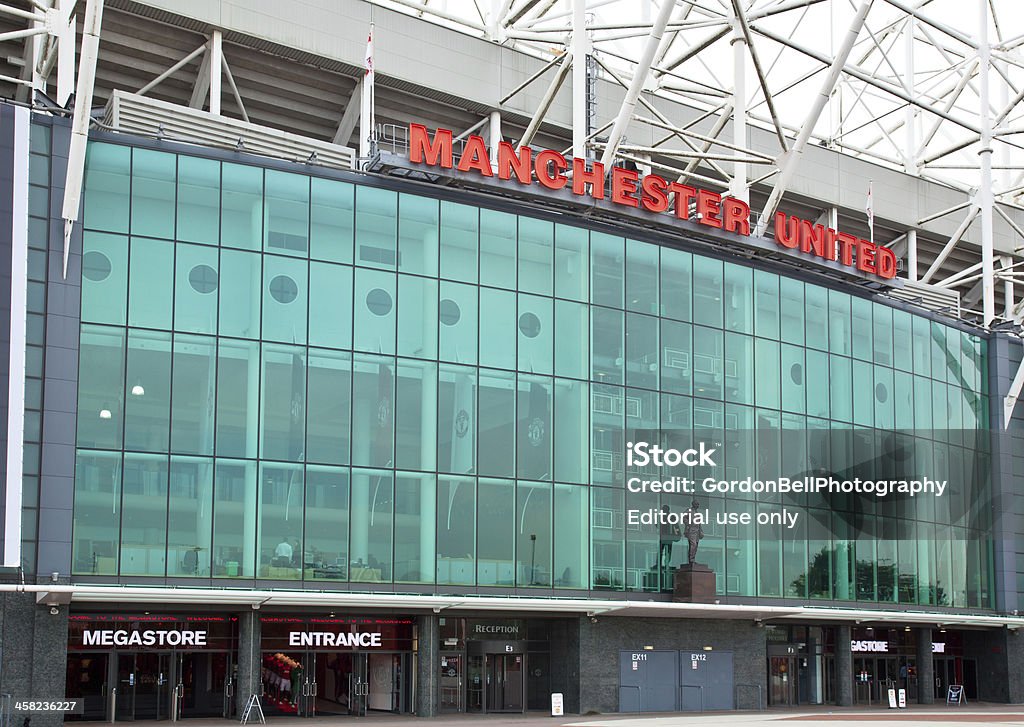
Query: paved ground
[(935, 716)]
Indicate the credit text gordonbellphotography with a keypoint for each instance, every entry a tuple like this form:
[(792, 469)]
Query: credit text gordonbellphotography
[(464, 358)]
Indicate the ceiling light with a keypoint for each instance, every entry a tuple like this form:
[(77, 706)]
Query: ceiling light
[(105, 412), (137, 390)]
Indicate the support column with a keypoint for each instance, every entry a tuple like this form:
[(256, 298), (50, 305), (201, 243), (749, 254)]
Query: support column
[(844, 667), (738, 188), (249, 680), (580, 49), (925, 667), (216, 61), (984, 196), (912, 255), (427, 666)]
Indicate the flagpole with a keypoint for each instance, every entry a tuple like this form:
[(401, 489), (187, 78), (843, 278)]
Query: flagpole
[(366, 122), (870, 209)]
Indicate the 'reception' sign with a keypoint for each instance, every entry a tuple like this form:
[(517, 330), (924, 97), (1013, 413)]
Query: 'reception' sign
[(648, 192)]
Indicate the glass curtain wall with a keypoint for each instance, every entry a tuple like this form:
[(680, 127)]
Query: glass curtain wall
[(295, 378)]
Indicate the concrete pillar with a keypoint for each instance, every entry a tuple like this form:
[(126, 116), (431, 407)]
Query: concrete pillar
[(427, 660), (925, 667), (249, 679), (844, 667), (34, 645)]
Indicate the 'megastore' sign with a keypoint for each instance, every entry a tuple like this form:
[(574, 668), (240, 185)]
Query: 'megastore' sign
[(644, 191)]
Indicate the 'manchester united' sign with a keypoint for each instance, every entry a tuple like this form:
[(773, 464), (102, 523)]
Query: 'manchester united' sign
[(648, 192)]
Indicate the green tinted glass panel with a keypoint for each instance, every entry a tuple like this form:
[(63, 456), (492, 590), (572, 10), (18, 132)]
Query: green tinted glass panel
[(238, 390), (100, 387), (95, 547), (497, 430), (456, 530), (196, 282), (106, 187), (374, 308), (535, 255), (415, 513), (373, 407), (457, 418), (497, 533), (497, 249), (281, 555), (536, 329), (707, 291), (418, 317), (198, 201), (326, 522), (286, 214), (416, 393), (572, 262), (331, 220), (241, 206), (148, 395), (330, 305), (104, 277), (376, 228), (607, 258), (150, 287), (533, 541), (328, 418), (497, 326), (457, 321), (460, 241), (739, 298), (417, 234), (642, 277), (144, 515), (239, 289), (153, 193), (234, 526), (285, 299), (190, 517), (283, 398), (194, 394), (572, 349)]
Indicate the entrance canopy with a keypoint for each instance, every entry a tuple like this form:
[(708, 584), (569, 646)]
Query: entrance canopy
[(438, 604)]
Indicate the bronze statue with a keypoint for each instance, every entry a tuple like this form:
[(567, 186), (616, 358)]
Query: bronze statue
[(693, 532)]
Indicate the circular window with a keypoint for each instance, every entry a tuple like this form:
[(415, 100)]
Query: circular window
[(95, 266), (379, 302), (796, 374), (203, 279), (881, 393), (529, 325), (448, 312), (283, 289)]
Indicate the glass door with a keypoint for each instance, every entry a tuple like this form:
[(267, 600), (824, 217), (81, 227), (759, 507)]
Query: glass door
[(505, 686), (782, 681), (87, 680), (331, 687), (124, 697), (475, 684), (359, 679), (284, 683), (152, 686), (452, 667)]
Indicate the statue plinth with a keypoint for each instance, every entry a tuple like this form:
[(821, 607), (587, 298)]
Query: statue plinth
[(694, 583)]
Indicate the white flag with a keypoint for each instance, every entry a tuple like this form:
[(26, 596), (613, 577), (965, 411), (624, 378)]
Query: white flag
[(369, 55), (870, 209)]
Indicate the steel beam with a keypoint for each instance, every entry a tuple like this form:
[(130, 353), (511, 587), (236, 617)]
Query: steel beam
[(80, 121), (349, 117), (643, 67), (792, 157), (948, 247), (547, 99)]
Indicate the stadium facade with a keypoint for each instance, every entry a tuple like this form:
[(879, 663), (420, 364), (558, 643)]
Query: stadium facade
[(350, 433)]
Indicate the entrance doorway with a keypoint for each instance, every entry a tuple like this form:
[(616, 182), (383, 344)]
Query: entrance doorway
[(874, 676), (496, 683), (150, 685), (314, 683), (955, 670), (783, 681)]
